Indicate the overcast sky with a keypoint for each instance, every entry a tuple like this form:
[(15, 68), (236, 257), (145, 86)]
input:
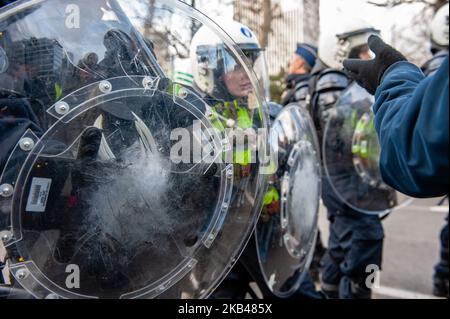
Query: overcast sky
[(334, 11)]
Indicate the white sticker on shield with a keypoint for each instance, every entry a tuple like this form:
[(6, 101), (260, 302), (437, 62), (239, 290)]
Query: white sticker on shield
[(37, 199)]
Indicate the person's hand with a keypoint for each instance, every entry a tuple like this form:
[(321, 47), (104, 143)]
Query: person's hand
[(90, 144), (369, 73)]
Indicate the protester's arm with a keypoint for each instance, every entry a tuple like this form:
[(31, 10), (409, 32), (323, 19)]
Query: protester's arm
[(412, 119)]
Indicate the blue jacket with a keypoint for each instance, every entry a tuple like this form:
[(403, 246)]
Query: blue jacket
[(412, 124), (5, 2)]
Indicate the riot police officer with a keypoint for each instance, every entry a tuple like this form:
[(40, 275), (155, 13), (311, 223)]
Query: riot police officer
[(217, 79), (227, 88), (302, 62), (355, 239), (297, 82), (439, 48), (439, 41)]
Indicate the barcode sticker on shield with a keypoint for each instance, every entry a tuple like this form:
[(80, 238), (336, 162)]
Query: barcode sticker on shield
[(37, 200)]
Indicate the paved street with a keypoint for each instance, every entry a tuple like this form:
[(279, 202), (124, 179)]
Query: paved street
[(411, 249)]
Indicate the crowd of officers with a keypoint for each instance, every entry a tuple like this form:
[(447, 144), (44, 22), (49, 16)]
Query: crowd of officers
[(316, 80)]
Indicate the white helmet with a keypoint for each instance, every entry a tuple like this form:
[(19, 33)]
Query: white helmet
[(210, 60), (439, 27), (336, 45)]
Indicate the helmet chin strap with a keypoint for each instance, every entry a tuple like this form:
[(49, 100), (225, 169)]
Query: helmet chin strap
[(343, 50)]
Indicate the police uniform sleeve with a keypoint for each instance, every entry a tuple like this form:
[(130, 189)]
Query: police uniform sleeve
[(412, 123)]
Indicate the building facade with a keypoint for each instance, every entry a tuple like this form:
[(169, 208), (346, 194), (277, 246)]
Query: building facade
[(292, 21)]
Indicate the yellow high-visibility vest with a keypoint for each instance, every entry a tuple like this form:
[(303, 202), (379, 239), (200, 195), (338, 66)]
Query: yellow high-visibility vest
[(271, 196), (232, 110)]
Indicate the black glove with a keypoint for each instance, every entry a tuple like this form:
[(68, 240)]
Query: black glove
[(90, 144), (368, 74)]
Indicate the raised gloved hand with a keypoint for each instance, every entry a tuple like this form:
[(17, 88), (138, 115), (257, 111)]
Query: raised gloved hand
[(90, 144), (369, 73)]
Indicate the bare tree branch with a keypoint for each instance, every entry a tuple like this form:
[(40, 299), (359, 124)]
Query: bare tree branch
[(411, 39), (264, 13), (436, 4)]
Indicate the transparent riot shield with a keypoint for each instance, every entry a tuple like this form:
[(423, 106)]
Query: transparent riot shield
[(113, 181), (287, 229), (351, 153)]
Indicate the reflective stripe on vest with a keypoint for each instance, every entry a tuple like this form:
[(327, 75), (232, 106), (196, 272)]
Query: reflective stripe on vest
[(244, 121)]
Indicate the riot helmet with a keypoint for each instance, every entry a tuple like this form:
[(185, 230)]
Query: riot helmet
[(440, 28), (336, 45), (216, 72)]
